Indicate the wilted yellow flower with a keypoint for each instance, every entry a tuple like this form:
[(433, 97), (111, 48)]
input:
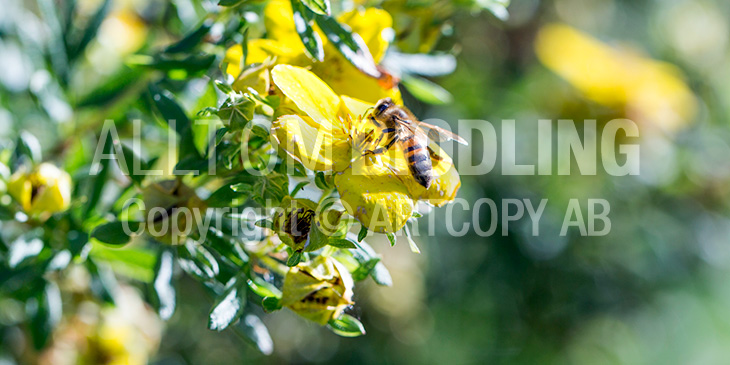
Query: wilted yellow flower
[(301, 225), (170, 199), (284, 43), (318, 290), (646, 89), (43, 191), (378, 190)]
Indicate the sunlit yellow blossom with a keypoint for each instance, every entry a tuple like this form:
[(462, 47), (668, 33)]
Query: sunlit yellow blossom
[(318, 290), (284, 43), (378, 190), (647, 89), (43, 191)]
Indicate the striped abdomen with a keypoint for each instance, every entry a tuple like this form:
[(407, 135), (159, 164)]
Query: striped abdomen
[(418, 159)]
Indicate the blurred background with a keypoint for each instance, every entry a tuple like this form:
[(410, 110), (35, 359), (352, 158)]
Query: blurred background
[(654, 290)]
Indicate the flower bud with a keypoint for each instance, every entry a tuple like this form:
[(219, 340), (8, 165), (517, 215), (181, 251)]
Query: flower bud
[(43, 191), (171, 210), (318, 290)]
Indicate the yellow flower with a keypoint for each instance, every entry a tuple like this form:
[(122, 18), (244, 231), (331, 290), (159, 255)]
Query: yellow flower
[(377, 189), (43, 191), (283, 42), (646, 89), (171, 199), (318, 290)]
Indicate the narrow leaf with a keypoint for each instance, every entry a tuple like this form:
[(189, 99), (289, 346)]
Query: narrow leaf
[(346, 326), (115, 233), (302, 22), (254, 331), (350, 45), (227, 309), (163, 289)]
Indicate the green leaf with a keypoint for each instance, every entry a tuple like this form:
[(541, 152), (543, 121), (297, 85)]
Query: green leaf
[(228, 308), (316, 239), (370, 265), (346, 326), (294, 258), (271, 189), (176, 67), (302, 22), (136, 263), (164, 292), (426, 91), (192, 39), (321, 181), (411, 242), (22, 249), (223, 87), (173, 114), (366, 267), (113, 89), (129, 162), (299, 187), (255, 332), (103, 283), (90, 32), (341, 243), (271, 304), (321, 7), (263, 288), (350, 45), (113, 233), (391, 238), (265, 223), (169, 108), (431, 65), (496, 7), (381, 275), (98, 182), (362, 234), (236, 114), (204, 132), (28, 146), (47, 314), (196, 260), (229, 2), (222, 197)]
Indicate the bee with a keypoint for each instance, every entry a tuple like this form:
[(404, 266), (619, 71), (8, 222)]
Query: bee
[(399, 126)]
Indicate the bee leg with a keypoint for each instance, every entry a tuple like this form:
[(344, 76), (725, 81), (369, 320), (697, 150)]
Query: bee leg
[(433, 155), (377, 151)]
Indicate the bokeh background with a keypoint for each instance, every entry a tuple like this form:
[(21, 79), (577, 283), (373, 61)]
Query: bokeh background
[(654, 290)]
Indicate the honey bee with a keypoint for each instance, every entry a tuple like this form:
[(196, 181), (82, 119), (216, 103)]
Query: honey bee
[(398, 125)]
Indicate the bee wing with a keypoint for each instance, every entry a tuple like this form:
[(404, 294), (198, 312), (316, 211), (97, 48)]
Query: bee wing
[(439, 134), (408, 126)]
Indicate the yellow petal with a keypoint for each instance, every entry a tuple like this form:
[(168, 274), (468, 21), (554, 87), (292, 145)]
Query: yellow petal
[(307, 142), (372, 25), (234, 58), (355, 107), (445, 183), (279, 20), (20, 188), (345, 79), (308, 92), (374, 195)]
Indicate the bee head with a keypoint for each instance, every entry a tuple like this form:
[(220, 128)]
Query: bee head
[(382, 105)]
